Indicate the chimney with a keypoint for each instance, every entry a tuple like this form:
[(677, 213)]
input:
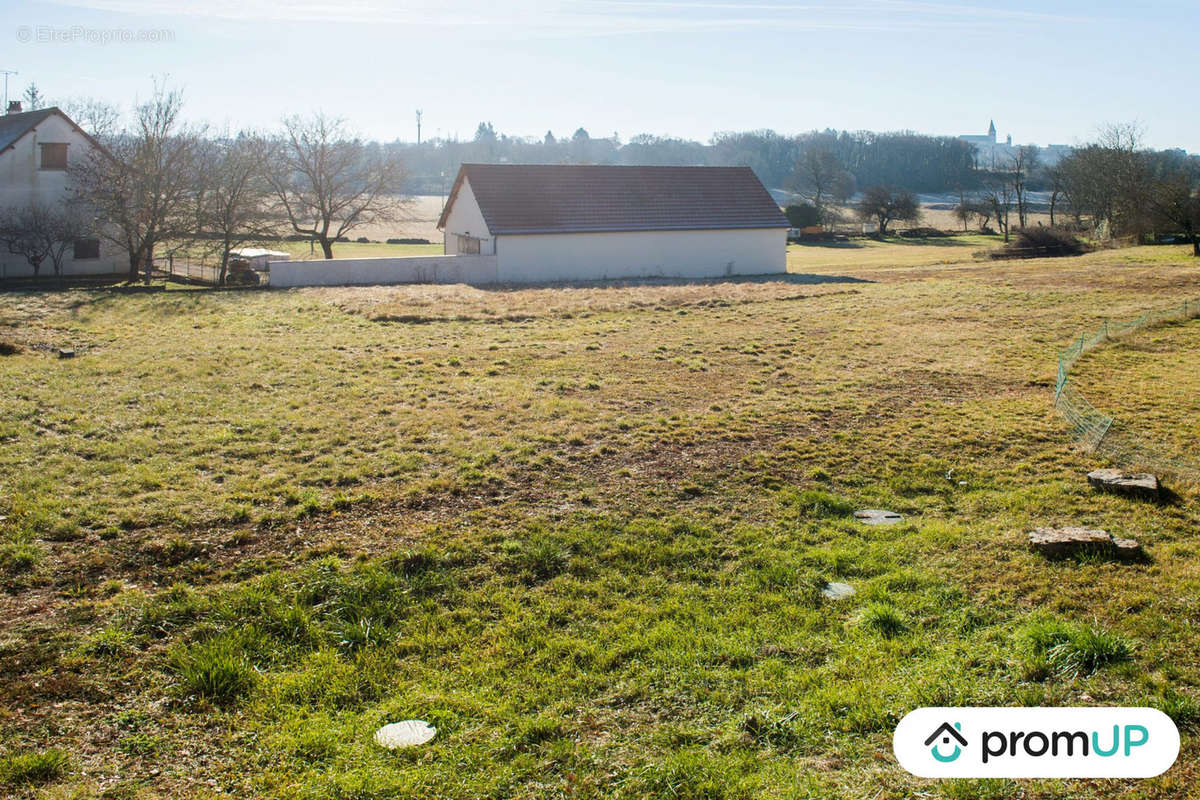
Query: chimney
[(14, 106)]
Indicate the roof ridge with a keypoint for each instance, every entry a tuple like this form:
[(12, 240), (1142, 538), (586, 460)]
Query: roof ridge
[(562, 198)]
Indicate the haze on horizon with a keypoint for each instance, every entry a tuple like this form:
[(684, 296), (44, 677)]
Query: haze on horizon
[(666, 67)]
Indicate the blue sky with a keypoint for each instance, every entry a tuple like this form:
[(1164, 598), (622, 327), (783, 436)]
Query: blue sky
[(1046, 72)]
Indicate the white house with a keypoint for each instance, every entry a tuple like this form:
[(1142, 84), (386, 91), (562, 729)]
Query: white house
[(36, 148), (552, 222)]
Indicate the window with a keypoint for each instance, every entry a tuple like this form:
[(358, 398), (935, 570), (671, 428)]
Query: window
[(468, 245), (87, 248), (54, 156)]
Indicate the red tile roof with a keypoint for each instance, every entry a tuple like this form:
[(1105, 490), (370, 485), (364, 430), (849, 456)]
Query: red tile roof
[(561, 198)]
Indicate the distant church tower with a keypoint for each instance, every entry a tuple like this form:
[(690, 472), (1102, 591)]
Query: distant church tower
[(992, 131)]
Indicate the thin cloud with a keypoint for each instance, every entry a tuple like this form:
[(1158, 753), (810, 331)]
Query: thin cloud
[(595, 17)]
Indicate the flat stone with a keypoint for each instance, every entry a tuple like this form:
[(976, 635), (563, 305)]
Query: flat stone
[(66, 352), (1130, 484), (877, 516), (1061, 542), (1127, 549), (837, 591), (409, 733)]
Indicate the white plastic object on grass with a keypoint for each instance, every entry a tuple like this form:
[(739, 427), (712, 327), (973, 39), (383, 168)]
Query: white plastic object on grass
[(837, 591), (877, 516), (409, 733)]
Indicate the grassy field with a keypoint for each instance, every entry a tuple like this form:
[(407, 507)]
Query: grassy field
[(581, 530)]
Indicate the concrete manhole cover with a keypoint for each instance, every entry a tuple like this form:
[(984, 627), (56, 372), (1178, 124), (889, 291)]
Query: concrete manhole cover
[(876, 516), (408, 733)]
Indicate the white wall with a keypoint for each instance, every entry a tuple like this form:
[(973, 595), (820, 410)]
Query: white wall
[(378, 271), (467, 220), (641, 254), (23, 181)]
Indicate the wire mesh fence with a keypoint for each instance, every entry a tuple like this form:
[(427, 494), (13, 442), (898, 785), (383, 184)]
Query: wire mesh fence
[(1100, 432)]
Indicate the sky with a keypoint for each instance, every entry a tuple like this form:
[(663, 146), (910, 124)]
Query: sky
[(1045, 72)]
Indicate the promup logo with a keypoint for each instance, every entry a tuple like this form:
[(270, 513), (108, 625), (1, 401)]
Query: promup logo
[(1036, 742), (947, 732)]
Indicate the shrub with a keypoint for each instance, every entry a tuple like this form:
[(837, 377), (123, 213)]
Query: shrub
[(8, 348), (1073, 650), (884, 618), (24, 768), (782, 731), (537, 558), (363, 240), (803, 215), (1042, 242), (18, 557), (217, 670), (815, 503), (107, 642), (922, 233), (408, 240)]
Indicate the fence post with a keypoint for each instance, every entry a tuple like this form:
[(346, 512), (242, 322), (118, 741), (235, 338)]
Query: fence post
[(1105, 329)]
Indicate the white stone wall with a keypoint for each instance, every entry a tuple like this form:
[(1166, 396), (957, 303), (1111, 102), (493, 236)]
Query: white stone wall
[(22, 181), (380, 271), (641, 254)]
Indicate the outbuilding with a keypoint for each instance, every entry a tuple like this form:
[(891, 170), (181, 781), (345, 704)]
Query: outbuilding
[(559, 222)]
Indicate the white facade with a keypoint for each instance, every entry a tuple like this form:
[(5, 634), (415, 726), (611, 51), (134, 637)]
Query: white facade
[(552, 257), (465, 223), (24, 180), (587, 256)]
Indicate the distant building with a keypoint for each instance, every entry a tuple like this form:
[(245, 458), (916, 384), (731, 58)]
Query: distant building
[(991, 154), (36, 150), (555, 222)]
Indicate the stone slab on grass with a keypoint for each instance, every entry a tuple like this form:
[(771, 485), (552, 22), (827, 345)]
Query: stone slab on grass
[(409, 733), (1065, 542), (877, 516), (837, 591), (1130, 484)]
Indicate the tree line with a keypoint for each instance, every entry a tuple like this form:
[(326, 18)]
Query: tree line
[(1110, 187), (906, 160), (158, 184)]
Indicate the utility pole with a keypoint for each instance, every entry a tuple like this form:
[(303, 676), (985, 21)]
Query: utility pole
[(418, 126), (7, 72)]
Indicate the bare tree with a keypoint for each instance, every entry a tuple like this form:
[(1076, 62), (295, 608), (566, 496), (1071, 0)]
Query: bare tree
[(999, 195), (883, 205), (1020, 164), (819, 178), (234, 204), (143, 182), (96, 118), (1110, 181), (983, 212), (964, 212), (1056, 179), (41, 232), (1175, 204), (329, 183)]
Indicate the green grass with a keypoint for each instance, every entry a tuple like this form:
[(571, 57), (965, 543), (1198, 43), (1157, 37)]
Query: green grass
[(580, 530), (23, 769)]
